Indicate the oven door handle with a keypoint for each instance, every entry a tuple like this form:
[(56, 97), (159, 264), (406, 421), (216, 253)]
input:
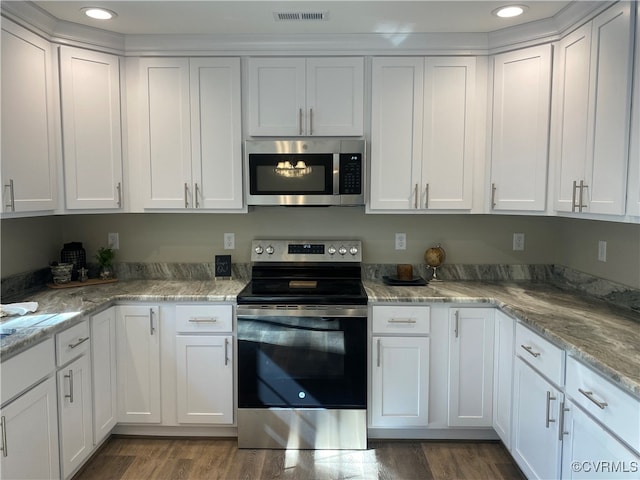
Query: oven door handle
[(331, 311)]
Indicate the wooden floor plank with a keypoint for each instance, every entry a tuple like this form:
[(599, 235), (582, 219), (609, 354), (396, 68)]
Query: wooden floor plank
[(125, 458)]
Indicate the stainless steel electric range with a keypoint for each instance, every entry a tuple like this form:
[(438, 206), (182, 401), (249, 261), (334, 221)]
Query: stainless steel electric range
[(302, 347)]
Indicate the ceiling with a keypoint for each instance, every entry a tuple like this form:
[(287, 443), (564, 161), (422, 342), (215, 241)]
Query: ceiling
[(257, 16)]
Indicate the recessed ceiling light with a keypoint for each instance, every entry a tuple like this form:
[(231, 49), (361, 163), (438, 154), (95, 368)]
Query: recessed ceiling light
[(99, 13), (510, 11)]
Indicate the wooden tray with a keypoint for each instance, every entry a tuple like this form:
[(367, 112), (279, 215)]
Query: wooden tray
[(76, 283)]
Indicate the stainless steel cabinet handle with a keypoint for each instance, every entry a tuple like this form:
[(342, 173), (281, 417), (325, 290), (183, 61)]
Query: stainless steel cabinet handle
[(311, 121), (300, 120), (415, 195), (119, 190), (401, 320), (456, 329), (426, 195), (582, 187), (79, 342), (186, 196), (197, 196), (573, 196), (549, 398), (493, 195), (561, 430), (589, 395), (70, 377), (378, 353), (530, 350), (3, 427), (151, 327), (226, 351), (12, 198), (203, 319)]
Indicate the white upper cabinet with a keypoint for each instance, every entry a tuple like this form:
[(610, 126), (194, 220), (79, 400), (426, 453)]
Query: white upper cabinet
[(520, 129), (92, 136), (191, 133), (28, 133), (592, 113), (633, 190), (422, 133), (305, 97)]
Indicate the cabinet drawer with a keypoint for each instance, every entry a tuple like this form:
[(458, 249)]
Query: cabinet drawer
[(400, 319), (540, 353), (72, 343), (26, 369), (614, 408), (204, 318)]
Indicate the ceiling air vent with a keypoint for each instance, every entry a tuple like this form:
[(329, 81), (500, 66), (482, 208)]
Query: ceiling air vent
[(300, 16)]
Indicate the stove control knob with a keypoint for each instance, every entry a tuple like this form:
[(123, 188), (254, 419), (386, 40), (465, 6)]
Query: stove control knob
[(258, 250), (332, 250), (270, 249), (353, 250), (342, 250)]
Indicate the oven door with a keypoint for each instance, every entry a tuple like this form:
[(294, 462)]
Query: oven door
[(302, 357), (292, 179)]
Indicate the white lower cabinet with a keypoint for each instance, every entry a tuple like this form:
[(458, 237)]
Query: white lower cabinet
[(590, 451), (138, 364), (103, 354), (471, 333), (535, 444), (400, 367), (503, 376), (29, 427)]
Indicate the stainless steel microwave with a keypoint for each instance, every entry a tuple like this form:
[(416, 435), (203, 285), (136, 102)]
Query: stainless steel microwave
[(310, 171)]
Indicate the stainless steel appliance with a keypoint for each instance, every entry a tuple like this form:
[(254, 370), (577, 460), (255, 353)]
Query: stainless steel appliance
[(312, 171), (302, 347)]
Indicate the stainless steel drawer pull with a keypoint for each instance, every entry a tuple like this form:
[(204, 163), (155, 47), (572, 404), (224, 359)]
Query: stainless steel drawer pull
[(79, 342), (549, 398), (493, 195), (70, 377), (119, 189), (311, 121), (530, 350), (378, 352), (426, 196), (590, 396), (197, 196), (3, 427), (456, 329), (401, 320), (186, 196), (226, 352), (415, 197), (203, 319), (151, 327), (300, 121), (561, 431)]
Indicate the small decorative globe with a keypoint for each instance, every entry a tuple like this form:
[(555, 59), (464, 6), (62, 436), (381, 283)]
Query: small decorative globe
[(434, 256)]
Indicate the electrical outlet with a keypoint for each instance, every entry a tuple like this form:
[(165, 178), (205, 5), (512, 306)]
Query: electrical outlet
[(401, 241), (602, 250), (518, 241), (114, 241), (229, 241)]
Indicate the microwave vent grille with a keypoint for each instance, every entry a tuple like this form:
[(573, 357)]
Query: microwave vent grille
[(300, 16)]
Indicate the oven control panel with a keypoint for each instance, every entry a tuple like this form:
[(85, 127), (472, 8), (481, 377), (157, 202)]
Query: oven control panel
[(306, 251)]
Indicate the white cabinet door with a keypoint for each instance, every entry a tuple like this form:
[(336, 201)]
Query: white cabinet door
[(216, 137), (298, 96), (471, 333), (589, 451), (204, 379), (400, 382), (103, 373), (29, 427), (138, 364), (520, 131), (536, 409), (396, 132), (335, 96), (92, 137), (609, 110), (633, 188), (593, 114), (28, 134), (503, 356), (75, 407), (166, 133), (277, 96), (448, 135)]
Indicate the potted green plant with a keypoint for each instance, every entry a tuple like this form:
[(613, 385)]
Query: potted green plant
[(105, 260)]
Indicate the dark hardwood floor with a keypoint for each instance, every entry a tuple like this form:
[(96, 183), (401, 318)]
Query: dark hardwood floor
[(189, 458)]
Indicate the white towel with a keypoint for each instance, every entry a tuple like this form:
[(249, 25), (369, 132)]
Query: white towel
[(18, 308)]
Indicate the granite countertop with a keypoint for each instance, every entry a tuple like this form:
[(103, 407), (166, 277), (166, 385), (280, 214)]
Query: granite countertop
[(601, 334)]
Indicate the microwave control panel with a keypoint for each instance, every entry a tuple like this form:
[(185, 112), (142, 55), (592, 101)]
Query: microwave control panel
[(350, 174)]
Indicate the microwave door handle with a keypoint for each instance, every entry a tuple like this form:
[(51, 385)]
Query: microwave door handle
[(336, 173)]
